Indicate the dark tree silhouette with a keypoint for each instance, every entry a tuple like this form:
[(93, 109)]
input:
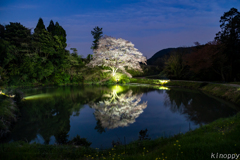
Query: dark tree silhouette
[(230, 37), (61, 33), (143, 135), (97, 34), (40, 26), (2, 29), (99, 127), (51, 27), (207, 59)]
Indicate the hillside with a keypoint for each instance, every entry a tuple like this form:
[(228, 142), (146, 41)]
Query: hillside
[(167, 51)]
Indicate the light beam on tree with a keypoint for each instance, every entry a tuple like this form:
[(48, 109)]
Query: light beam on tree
[(117, 54)]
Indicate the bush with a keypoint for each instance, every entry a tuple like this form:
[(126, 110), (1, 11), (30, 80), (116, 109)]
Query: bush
[(80, 141), (110, 81)]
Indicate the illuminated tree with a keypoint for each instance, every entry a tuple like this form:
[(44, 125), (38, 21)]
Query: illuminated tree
[(117, 54)]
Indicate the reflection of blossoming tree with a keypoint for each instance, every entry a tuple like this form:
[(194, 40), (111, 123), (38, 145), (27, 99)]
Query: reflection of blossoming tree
[(118, 111)]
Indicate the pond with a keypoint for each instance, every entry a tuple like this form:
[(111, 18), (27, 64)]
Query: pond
[(103, 114)]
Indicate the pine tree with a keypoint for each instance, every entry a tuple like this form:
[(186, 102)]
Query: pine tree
[(61, 33), (40, 26), (51, 27), (97, 34)]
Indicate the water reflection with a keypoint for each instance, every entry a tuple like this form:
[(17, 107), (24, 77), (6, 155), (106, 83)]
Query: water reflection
[(197, 107), (48, 112), (57, 114), (118, 110)]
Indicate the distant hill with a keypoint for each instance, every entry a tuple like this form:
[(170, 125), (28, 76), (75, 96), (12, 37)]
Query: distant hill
[(167, 51), (159, 54)]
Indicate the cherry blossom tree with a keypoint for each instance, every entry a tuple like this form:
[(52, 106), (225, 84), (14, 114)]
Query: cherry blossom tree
[(117, 54)]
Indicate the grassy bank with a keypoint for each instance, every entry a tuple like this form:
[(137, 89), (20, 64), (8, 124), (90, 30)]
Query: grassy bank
[(221, 136), (228, 93)]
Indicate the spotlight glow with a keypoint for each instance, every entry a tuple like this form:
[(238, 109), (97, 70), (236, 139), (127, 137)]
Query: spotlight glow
[(164, 88), (38, 96), (163, 81)]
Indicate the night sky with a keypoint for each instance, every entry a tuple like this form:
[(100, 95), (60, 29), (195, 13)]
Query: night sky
[(151, 25)]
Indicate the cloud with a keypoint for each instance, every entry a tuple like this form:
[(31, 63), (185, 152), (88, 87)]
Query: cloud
[(154, 25), (150, 24), (20, 6), (25, 6)]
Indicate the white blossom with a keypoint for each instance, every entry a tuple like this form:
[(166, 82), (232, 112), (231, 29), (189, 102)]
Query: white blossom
[(117, 54)]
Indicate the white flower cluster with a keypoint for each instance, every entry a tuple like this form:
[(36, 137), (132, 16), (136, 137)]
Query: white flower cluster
[(117, 54)]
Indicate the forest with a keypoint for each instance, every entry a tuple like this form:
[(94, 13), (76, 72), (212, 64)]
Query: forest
[(37, 58), (41, 58), (217, 60)]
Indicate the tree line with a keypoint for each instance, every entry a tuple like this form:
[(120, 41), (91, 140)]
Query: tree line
[(39, 57), (218, 60)]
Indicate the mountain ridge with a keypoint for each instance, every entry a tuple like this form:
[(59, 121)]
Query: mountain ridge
[(166, 51)]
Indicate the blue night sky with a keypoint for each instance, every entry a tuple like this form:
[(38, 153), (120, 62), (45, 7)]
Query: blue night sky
[(151, 25)]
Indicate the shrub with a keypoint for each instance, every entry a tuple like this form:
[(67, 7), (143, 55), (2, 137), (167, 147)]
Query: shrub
[(80, 141)]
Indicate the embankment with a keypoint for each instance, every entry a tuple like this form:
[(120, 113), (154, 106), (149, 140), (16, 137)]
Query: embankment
[(226, 91)]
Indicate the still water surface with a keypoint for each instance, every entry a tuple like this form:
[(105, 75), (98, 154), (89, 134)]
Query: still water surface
[(102, 114)]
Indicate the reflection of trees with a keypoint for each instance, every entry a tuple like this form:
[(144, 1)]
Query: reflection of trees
[(197, 107), (118, 110), (99, 127), (50, 115)]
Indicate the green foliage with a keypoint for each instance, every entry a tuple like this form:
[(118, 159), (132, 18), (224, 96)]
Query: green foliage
[(146, 70), (174, 65), (60, 78), (37, 58), (89, 58), (61, 33), (16, 34), (144, 81), (110, 81), (124, 79)]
